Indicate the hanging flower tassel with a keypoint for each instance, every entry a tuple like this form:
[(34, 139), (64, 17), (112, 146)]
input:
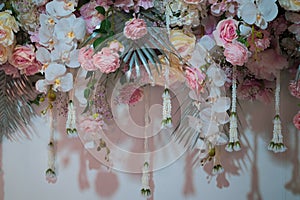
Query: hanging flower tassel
[(50, 172), (146, 191), (167, 107), (217, 168), (71, 121), (276, 145), (234, 143)]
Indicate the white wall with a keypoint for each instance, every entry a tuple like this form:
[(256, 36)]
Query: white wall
[(254, 173)]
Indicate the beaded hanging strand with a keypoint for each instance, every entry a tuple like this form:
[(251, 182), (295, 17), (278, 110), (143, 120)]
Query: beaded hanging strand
[(167, 107), (276, 145), (71, 128), (50, 172), (146, 190), (234, 143)]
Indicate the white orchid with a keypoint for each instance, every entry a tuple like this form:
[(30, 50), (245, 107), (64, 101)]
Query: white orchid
[(258, 12), (60, 8), (66, 54), (62, 83), (53, 71), (70, 29)]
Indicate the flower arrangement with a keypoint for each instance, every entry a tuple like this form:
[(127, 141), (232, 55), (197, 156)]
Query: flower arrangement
[(222, 50)]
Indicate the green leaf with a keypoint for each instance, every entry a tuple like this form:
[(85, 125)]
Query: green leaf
[(87, 93), (99, 41), (100, 10), (105, 25), (92, 83), (89, 74)]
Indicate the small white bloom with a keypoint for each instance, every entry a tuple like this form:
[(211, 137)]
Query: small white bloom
[(53, 71)]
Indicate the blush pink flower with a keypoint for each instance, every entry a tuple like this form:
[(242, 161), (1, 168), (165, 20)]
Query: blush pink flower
[(32, 69), (260, 42), (195, 78), (22, 56), (248, 89), (226, 32), (91, 16), (266, 64), (295, 89), (296, 120), (85, 58), (135, 29), (236, 53), (106, 60), (10, 70), (89, 124)]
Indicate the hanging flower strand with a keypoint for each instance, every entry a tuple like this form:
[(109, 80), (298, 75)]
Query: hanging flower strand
[(167, 107), (234, 143), (276, 145), (71, 120), (50, 172)]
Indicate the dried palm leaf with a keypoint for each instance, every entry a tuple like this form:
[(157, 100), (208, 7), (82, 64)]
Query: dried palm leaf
[(15, 109)]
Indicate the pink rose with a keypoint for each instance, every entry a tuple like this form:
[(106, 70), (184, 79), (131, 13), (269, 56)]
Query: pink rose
[(236, 53), (85, 58), (106, 60), (295, 89), (32, 69), (296, 120), (10, 70), (22, 56), (226, 31), (135, 29), (195, 78)]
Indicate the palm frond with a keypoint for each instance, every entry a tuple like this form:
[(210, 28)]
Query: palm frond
[(15, 110)]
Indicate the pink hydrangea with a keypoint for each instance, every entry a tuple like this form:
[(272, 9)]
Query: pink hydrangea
[(135, 29), (236, 53), (294, 88), (226, 31), (266, 64), (195, 78), (296, 120), (106, 60), (85, 58)]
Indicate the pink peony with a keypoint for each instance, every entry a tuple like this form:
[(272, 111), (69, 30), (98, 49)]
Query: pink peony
[(296, 120), (226, 31), (195, 78), (135, 29), (106, 60), (236, 53), (295, 89), (266, 64), (85, 58), (22, 56)]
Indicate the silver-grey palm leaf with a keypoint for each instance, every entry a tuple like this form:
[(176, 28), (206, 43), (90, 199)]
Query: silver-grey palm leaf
[(15, 110)]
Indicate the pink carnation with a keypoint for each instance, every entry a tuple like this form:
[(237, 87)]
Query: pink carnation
[(85, 58), (106, 60), (266, 64), (296, 120), (236, 53), (295, 89), (226, 31), (195, 78), (135, 29)]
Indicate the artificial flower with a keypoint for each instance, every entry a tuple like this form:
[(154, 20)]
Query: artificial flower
[(63, 83), (10, 70), (135, 29), (184, 43), (23, 56), (195, 78), (106, 60), (66, 54), (6, 19), (259, 41), (85, 58), (296, 120), (5, 52), (258, 12), (236, 53), (7, 37), (292, 5), (53, 71), (294, 88), (226, 31), (60, 9), (267, 64)]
